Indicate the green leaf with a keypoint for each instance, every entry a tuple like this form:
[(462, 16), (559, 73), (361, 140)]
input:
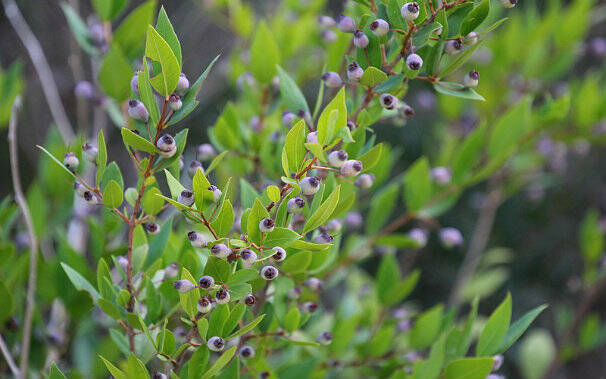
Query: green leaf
[(56, 161), (495, 329), (338, 103), (247, 328), (421, 37), (79, 29), (136, 141), (291, 319), (417, 185), (221, 362), (166, 31), (297, 262), (101, 157), (294, 147), (457, 90), (467, 156), (174, 185), (108, 9), (113, 196), (518, 328), (242, 276), (372, 77), (135, 369), (326, 132), (116, 372), (215, 162), (475, 17), (217, 268), (469, 368), (459, 60), (55, 373), (591, 238), (257, 213), (158, 244), (152, 204), (264, 54), (115, 74), (291, 94), (80, 282), (189, 300), (509, 130), (426, 328), (130, 35), (381, 207), (323, 213), (390, 85), (157, 49), (112, 172), (235, 315), (147, 95), (202, 195), (432, 367), (190, 100), (224, 222), (282, 237), (7, 303), (273, 193), (371, 157)]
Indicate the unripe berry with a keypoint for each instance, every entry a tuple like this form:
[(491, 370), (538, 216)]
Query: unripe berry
[(379, 27), (441, 175), (509, 3), (269, 272), (90, 152), (451, 237), (334, 225), (305, 116), (264, 375), (453, 47), (346, 24), (354, 72), (84, 90), (472, 38), (184, 286), (332, 79), (471, 79), (314, 284), (351, 168), (365, 181), (248, 258), (410, 11), (194, 166), (166, 145), (287, 118), (159, 375), (310, 307), (414, 62), (408, 110), (206, 282), (295, 293), (353, 220), (329, 36), (326, 21), (312, 137), (360, 39), (279, 254), (80, 189), (137, 110), (71, 161), (152, 228), (498, 362), (337, 158), (216, 343), (325, 338), (247, 352), (204, 305), (186, 197), (134, 82), (309, 185), (298, 222), (197, 239), (171, 271), (205, 152), (419, 236), (267, 225), (295, 205), (220, 250), (323, 237), (216, 193), (222, 296), (249, 299), (182, 85), (174, 102), (388, 101), (89, 197), (495, 376)]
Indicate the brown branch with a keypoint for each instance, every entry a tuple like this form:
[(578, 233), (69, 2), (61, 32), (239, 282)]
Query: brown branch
[(9, 358)]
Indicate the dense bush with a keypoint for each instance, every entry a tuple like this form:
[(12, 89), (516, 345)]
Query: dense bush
[(282, 247)]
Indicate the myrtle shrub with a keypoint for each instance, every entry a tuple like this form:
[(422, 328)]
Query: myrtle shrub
[(239, 257)]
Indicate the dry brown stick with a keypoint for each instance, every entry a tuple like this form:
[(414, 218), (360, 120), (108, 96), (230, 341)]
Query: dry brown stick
[(9, 358), (33, 241)]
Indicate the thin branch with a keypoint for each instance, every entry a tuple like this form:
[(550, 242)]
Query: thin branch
[(9, 358), (478, 243), (33, 253), (49, 87)]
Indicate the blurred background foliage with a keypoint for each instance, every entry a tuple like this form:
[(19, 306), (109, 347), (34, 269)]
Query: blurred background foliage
[(545, 233)]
